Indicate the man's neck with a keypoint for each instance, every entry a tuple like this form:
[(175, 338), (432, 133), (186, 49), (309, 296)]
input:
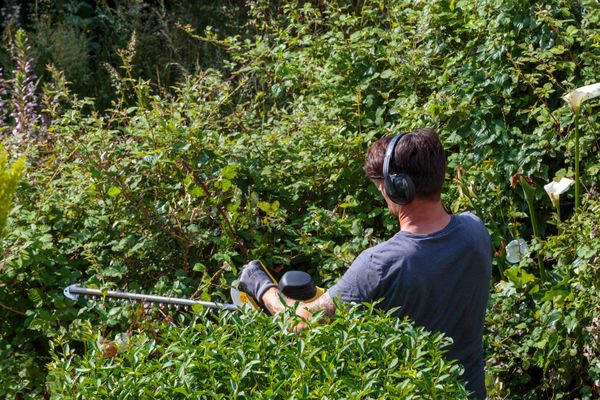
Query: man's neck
[(423, 217)]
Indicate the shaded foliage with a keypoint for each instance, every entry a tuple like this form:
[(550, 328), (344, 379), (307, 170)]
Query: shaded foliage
[(81, 38), (543, 339)]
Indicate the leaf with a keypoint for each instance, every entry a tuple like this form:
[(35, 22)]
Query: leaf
[(199, 267), (197, 308), (114, 191), (196, 191), (223, 184), (229, 172), (264, 206), (554, 294), (519, 276), (35, 295), (388, 73)]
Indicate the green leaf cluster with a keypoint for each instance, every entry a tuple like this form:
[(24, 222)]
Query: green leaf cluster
[(543, 340), (9, 181)]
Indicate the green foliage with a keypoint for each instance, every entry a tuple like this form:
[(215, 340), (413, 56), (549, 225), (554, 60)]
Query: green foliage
[(359, 354), (257, 153), (543, 339), (81, 38), (9, 181)]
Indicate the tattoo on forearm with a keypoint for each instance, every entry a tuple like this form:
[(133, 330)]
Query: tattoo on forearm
[(275, 307), (322, 303), (273, 301)]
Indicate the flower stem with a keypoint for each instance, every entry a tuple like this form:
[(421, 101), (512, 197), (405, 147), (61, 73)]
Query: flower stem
[(529, 192), (576, 162), (558, 217), (536, 234)]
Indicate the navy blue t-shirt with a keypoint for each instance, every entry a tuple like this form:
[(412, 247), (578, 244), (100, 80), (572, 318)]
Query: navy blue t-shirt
[(440, 280)]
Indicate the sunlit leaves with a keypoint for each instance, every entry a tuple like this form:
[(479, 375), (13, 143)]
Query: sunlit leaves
[(361, 353), (113, 191), (9, 180)]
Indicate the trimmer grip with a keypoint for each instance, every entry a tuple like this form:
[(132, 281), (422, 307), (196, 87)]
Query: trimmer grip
[(295, 285)]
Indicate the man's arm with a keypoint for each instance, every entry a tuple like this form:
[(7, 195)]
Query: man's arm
[(324, 302), (255, 282), (272, 300), (359, 283)]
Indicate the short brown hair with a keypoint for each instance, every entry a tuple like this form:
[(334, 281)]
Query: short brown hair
[(419, 154)]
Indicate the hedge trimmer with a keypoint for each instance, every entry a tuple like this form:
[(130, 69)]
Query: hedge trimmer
[(296, 285), (74, 292)]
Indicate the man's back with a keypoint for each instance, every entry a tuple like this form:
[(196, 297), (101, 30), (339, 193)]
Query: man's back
[(440, 280), (437, 269)]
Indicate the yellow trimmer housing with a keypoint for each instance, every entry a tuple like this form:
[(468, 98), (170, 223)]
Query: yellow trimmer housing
[(296, 285)]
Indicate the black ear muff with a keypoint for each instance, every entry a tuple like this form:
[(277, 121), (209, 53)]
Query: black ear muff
[(398, 186)]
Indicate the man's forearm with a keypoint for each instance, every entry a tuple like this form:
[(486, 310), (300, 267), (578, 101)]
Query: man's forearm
[(272, 301), (324, 302)]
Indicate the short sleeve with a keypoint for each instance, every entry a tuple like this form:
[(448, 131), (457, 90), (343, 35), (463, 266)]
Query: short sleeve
[(361, 281)]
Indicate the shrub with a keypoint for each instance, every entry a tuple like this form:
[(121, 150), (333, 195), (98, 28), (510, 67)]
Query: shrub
[(9, 181), (82, 37), (543, 337), (359, 354)]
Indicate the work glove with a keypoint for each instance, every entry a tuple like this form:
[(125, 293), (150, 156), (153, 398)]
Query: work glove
[(254, 281)]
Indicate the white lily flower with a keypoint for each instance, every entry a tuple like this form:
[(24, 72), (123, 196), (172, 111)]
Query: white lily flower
[(579, 95), (515, 250), (555, 189)]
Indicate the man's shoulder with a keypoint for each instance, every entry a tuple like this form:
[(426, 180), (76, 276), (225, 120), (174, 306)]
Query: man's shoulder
[(476, 230), (471, 221), (390, 244), (469, 216), (389, 252)]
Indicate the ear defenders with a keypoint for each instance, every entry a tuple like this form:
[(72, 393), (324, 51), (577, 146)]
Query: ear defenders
[(399, 187)]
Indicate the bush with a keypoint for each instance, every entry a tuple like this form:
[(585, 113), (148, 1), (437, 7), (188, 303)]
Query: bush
[(82, 37), (543, 337), (359, 354)]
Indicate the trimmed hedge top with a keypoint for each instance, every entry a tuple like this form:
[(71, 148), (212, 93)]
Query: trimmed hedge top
[(359, 354)]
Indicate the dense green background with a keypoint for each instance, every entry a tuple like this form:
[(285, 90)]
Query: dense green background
[(167, 144)]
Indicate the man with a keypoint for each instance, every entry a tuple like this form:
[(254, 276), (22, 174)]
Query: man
[(436, 269)]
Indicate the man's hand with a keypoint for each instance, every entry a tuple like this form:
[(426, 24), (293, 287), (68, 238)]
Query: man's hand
[(254, 281), (306, 310), (272, 300)]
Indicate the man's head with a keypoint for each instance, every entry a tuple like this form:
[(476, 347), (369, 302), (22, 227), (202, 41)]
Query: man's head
[(418, 154)]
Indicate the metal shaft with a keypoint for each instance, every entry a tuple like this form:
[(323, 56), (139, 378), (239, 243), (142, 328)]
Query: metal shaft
[(74, 291)]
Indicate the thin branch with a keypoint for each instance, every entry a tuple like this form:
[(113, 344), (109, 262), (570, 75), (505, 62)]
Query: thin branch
[(12, 309), (219, 207)]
